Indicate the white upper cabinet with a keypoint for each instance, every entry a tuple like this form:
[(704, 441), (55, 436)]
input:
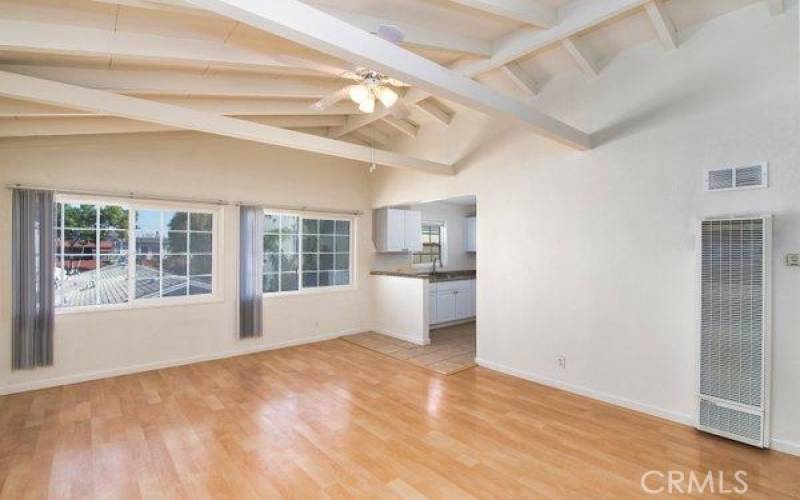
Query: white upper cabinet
[(397, 230), (470, 235), (413, 230)]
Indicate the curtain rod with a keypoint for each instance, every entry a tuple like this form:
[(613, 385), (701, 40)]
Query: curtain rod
[(207, 201)]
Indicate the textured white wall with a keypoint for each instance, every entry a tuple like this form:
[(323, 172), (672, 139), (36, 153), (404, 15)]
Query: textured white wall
[(101, 343), (591, 255)]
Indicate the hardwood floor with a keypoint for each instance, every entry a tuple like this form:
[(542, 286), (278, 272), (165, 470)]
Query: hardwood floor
[(451, 350), (333, 420)]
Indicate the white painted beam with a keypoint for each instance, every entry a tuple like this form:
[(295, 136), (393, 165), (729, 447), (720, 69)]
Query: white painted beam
[(217, 105), (521, 78), (371, 137), (98, 125), (436, 110), (258, 107), (403, 126), (776, 7), (25, 36), (300, 23), (185, 83), (574, 17), (584, 62), (415, 35), (60, 94), (418, 36), (531, 12), (663, 24)]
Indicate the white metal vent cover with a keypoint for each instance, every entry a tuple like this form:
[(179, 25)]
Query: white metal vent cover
[(734, 374), (729, 179)]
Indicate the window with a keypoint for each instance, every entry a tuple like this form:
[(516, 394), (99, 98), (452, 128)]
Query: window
[(304, 253), (108, 253), (432, 240)]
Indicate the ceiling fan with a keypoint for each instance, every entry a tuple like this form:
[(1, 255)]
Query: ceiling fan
[(370, 86)]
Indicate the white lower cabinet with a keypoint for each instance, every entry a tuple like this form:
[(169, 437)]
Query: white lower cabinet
[(451, 301)]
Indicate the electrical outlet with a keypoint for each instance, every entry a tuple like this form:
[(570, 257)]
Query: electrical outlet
[(562, 362), (793, 260)]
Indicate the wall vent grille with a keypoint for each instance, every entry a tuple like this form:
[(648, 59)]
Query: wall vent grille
[(728, 179), (733, 324)]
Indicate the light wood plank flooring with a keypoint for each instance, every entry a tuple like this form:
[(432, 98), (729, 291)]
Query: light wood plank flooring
[(451, 350), (333, 420)]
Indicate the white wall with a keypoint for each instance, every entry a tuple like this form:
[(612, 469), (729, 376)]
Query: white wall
[(183, 164), (400, 308), (591, 255), (453, 216)]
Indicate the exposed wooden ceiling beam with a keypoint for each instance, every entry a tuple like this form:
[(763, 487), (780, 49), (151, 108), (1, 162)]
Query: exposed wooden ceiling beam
[(98, 125), (184, 83), (371, 137), (435, 110), (584, 62), (521, 78), (574, 17), (48, 38), (217, 105), (403, 126), (776, 7), (300, 23), (418, 36), (527, 11), (663, 24), (415, 35), (60, 94)]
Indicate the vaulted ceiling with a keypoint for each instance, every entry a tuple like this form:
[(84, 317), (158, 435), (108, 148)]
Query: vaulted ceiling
[(252, 69)]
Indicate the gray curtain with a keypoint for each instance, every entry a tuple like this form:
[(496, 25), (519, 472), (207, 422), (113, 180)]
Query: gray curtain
[(32, 266), (251, 262)]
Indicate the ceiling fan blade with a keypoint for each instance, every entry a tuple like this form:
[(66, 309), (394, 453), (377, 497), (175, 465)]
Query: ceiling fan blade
[(390, 33), (396, 83), (314, 65), (399, 110), (332, 98)]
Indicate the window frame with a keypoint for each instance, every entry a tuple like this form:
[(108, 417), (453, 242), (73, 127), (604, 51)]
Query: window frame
[(351, 286), (442, 245), (133, 205)]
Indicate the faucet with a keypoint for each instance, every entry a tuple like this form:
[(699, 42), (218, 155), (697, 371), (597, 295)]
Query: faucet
[(433, 272)]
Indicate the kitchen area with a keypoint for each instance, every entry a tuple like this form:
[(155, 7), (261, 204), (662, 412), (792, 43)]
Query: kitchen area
[(424, 282)]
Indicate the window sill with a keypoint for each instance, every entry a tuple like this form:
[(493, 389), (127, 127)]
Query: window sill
[(142, 304), (311, 291)]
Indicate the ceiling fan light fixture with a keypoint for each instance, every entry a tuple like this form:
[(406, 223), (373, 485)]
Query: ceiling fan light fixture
[(367, 105), (387, 96), (359, 93)]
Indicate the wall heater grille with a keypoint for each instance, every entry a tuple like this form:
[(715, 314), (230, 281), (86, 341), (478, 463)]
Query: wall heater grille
[(734, 331)]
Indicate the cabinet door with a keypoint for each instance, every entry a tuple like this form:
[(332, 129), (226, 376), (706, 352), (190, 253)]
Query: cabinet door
[(469, 240), (395, 230), (464, 304), (413, 231), (431, 308), (445, 306)]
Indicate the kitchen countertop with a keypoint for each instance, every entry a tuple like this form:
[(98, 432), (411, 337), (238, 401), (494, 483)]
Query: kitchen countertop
[(440, 276)]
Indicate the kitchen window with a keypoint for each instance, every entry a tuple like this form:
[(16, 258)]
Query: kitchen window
[(123, 253), (433, 236), (304, 253)]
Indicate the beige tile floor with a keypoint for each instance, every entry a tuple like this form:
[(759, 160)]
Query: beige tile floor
[(452, 349)]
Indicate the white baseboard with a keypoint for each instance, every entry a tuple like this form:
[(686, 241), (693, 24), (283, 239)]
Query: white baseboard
[(681, 418), (400, 336), (785, 446), (127, 370)]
